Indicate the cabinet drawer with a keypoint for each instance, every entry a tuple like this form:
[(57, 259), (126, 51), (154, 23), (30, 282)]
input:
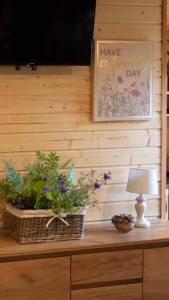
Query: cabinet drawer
[(44, 279), (106, 266), (156, 274), (127, 292)]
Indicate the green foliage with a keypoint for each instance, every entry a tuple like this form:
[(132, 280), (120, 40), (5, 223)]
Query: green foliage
[(12, 185), (45, 187)]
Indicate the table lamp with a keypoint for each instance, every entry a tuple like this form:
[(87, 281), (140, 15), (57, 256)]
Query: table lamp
[(142, 181)]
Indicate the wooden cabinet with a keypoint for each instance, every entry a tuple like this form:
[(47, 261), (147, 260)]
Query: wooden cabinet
[(107, 275), (156, 274), (106, 266), (122, 292), (41, 279)]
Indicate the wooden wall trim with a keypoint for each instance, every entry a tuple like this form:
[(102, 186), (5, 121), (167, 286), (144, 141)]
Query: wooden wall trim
[(164, 108)]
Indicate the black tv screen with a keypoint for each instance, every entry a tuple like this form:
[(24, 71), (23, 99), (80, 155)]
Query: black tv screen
[(50, 32)]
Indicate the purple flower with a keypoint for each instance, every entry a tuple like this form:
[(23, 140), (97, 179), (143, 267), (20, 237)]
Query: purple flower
[(97, 185), (64, 189), (45, 189), (61, 179), (106, 176), (56, 187)]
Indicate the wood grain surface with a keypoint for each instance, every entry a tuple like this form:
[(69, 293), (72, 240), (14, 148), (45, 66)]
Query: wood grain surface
[(127, 292), (156, 274), (102, 267), (39, 279)]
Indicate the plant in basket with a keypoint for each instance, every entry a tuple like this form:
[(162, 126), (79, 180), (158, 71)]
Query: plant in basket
[(45, 204)]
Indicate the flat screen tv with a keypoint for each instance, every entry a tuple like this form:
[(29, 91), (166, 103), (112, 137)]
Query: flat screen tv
[(46, 32)]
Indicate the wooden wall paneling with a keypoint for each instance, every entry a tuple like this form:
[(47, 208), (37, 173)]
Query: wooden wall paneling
[(117, 193), (80, 140), (41, 105), (52, 109), (119, 176), (92, 158), (105, 211), (127, 14), (120, 31), (44, 85), (71, 122), (55, 105)]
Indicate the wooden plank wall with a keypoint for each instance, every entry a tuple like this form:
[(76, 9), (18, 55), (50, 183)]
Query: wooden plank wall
[(51, 110)]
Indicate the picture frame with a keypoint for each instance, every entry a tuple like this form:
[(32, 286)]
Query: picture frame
[(122, 88)]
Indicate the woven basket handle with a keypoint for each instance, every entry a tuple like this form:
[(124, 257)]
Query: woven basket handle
[(53, 218)]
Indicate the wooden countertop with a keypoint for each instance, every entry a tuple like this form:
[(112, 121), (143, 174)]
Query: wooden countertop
[(102, 237)]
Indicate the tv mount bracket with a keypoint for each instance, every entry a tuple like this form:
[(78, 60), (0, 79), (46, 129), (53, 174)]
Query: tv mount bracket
[(29, 65)]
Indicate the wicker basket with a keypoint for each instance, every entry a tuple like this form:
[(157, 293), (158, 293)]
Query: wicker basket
[(29, 226)]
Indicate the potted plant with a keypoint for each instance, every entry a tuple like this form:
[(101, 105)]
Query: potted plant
[(46, 204)]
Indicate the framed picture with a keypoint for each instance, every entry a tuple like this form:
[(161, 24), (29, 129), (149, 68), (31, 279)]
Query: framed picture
[(122, 80)]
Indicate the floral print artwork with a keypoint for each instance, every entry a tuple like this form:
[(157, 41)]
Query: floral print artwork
[(123, 90)]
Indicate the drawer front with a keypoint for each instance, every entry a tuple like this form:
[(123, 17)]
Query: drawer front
[(41, 279), (106, 266), (156, 274), (127, 292)]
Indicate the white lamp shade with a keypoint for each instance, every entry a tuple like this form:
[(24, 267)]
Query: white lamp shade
[(142, 181)]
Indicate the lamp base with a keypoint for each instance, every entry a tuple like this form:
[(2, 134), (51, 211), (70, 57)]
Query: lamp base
[(142, 224), (141, 208)]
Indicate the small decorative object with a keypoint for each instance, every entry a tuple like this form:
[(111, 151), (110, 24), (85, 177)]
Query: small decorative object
[(142, 181), (123, 80), (124, 223), (47, 204)]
